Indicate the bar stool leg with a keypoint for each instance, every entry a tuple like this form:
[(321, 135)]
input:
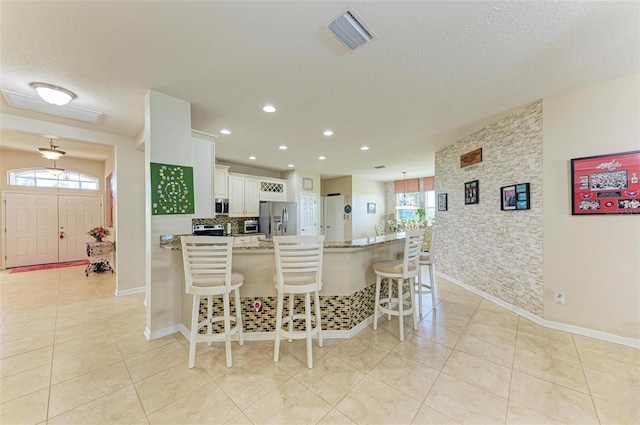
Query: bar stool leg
[(227, 328), (318, 318), (389, 285), (279, 308), (412, 292), (432, 280), (420, 288), (401, 308), (194, 331), (209, 317), (307, 319), (239, 317), (291, 300), (377, 302)]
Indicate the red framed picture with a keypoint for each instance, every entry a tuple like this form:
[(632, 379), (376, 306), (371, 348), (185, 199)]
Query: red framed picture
[(606, 184)]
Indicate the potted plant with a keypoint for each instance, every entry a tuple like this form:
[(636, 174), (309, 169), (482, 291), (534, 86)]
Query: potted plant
[(98, 233), (421, 214)]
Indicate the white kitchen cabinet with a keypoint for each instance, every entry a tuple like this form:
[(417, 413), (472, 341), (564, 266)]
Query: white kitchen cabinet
[(244, 198), (273, 190), (249, 240), (202, 159), (222, 182)]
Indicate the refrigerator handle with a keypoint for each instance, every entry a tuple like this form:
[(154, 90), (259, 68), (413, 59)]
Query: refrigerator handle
[(285, 217)]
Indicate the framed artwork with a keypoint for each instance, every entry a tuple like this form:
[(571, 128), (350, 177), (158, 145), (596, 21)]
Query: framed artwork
[(515, 197), (307, 184), (606, 184), (471, 192), (171, 189), (442, 202), (371, 208)]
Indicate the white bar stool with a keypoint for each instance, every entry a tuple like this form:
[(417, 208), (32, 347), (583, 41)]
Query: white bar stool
[(299, 271), (428, 258), (399, 270), (207, 273)]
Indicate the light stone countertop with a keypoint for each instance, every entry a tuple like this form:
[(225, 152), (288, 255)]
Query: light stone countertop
[(173, 242)]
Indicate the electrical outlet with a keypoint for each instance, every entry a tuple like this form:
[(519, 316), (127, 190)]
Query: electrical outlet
[(559, 297)]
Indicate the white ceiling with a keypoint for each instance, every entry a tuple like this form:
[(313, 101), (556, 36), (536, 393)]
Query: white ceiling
[(438, 70)]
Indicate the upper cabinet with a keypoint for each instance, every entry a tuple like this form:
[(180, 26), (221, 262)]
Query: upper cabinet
[(273, 189), (222, 182), (203, 159), (244, 198)]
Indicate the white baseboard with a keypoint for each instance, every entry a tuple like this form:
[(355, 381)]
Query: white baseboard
[(605, 336), (130, 291), (165, 331)]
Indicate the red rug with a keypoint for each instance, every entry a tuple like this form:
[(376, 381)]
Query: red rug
[(49, 266)]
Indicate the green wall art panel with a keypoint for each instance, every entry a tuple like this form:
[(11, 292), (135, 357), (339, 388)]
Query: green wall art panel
[(171, 189)]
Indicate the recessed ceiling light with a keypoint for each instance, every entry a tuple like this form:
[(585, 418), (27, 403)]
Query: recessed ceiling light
[(290, 165), (269, 108), (53, 94), (328, 133), (364, 148), (282, 147), (252, 157), (321, 157), (225, 131)]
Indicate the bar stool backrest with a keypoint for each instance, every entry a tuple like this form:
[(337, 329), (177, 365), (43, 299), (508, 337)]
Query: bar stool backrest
[(434, 243), (299, 260), (207, 263), (412, 249)]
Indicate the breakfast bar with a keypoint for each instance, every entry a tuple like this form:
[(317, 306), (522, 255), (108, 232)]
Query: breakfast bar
[(347, 296)]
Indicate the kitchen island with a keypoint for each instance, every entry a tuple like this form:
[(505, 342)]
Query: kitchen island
[(348, 292)]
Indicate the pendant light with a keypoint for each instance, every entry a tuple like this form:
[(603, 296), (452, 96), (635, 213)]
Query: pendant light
[(51, 152), (55, 170)]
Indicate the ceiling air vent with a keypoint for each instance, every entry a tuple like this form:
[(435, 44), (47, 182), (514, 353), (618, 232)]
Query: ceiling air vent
[(350, 30), (377, 167)]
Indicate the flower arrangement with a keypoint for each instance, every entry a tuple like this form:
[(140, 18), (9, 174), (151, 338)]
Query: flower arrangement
[(98, 233)]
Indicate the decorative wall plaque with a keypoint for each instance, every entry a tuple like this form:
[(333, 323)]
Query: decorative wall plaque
[(171, 189), (471, 158)]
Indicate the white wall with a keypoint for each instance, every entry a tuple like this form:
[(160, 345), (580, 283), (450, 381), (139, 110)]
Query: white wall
[(366, 191), (167, 141), (595, 260)]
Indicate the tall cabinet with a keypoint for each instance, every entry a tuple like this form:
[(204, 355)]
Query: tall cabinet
[(222, 182), (244, 195), (203, 152)]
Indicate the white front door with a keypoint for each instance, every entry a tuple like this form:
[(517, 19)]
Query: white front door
[(333, 218), (32, 229), (308, 214), (77, 214), (35, 223)]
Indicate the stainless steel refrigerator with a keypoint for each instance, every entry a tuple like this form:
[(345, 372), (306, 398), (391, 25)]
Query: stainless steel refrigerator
[(278, 218)]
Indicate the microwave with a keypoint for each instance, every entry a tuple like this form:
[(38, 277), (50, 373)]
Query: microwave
[(222, 206), (250, 226)]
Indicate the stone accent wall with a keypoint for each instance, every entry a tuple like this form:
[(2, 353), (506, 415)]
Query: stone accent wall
[(497, 252)]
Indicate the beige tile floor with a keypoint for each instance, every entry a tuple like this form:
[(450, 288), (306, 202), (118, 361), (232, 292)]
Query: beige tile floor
[(72, 353)]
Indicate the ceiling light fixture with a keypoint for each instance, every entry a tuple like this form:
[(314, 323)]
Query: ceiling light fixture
[(282, 147), (51, 152), (55, 170), (269, 108), (53, 94), (321, 157), (364, 148), (252, 157), (225, 131), (328, 133), (290, 165)]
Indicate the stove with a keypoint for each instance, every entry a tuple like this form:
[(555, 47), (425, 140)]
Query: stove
[(209, 230)]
